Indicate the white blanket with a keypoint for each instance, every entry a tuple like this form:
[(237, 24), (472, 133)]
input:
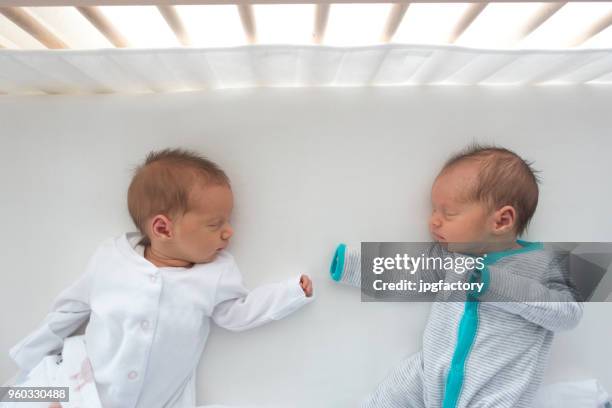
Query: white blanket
[(71, 369), (575, 394)]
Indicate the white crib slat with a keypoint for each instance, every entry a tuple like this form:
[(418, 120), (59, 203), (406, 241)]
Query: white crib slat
[(17, 36), (75, 30)]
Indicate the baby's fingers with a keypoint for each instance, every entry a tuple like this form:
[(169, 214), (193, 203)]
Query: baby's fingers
[(306, 285)]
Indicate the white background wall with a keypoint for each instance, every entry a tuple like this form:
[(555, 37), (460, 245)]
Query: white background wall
[(310, 168)]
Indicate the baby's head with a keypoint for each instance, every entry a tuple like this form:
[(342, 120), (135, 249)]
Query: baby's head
[(181, 203), (483, 196)]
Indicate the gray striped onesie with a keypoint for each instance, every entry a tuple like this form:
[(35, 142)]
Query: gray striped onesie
[(487, 352)]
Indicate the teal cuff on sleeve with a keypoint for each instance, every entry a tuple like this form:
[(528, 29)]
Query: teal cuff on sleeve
[(337, 266)]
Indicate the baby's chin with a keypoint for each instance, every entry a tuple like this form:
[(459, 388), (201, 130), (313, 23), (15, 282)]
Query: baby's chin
[(460, 246), (468, 248), (210, 257)]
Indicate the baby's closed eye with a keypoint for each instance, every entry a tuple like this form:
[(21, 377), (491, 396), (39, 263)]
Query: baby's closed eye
[(449, 212)]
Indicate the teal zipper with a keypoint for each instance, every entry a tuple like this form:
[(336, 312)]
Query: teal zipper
[(468, 325)]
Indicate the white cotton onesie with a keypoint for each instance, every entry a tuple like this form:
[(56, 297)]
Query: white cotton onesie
[(148, 325)]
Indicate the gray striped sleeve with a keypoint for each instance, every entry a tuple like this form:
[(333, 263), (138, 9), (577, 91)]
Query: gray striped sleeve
[(535, 286)]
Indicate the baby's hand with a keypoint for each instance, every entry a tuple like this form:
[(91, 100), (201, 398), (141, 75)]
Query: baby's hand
[(306, 285)]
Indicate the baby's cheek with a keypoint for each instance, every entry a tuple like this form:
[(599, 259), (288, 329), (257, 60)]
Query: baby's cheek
[(460, 232)]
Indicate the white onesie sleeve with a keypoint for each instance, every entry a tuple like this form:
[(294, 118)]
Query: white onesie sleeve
[(70, 309), (237, 308)]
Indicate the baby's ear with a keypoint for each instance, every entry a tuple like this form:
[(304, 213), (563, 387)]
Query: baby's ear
[(161, 227), (505, 219)]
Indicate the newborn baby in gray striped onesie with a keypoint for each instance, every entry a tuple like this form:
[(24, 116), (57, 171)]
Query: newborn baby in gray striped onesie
[(491, 349)]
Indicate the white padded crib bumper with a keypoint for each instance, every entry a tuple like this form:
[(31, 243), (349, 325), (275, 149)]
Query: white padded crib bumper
[(184, 69)]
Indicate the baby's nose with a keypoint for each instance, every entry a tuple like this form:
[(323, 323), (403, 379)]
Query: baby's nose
[(435, 222), (227, 234)]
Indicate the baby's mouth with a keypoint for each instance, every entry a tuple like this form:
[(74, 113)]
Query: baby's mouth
[(438, 237)]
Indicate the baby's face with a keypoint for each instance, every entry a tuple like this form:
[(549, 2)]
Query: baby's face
[(203, 231), (454, 219)]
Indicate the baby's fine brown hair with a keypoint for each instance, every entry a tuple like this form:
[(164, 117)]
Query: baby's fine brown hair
[(504, 178), (163, 183)]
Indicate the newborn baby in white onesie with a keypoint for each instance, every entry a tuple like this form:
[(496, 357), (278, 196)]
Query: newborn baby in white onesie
[(149, 296)]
